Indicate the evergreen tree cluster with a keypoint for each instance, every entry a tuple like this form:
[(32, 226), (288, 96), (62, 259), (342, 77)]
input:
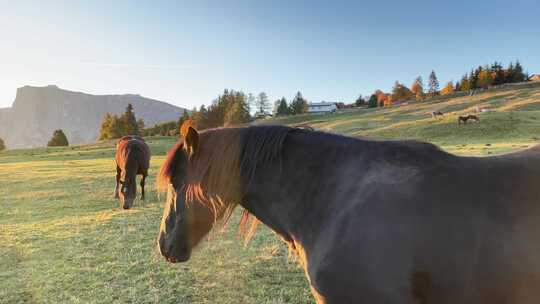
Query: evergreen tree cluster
[(114, 126), (169, 128), (58, 139), (491, 75), (299, 105), (230, 108), (2, 145)]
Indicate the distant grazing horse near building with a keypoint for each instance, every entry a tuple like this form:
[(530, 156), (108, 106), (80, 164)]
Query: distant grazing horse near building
[(436, 113), (132, 159), (370, 221), (464, 119)]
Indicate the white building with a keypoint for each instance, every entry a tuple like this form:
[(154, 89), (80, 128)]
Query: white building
[(534, 77), (322, 107)]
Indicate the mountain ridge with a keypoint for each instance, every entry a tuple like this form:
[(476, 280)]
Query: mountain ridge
[(38, 111)]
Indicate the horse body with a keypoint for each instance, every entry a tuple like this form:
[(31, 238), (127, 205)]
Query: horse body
[(132, 159), (397, 222), (436, 113), (464, 119)]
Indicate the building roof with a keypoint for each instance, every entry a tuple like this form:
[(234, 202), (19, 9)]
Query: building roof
[(322, 103)]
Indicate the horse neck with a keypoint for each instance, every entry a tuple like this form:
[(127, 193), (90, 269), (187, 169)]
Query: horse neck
[(131, 163), (290, 194)]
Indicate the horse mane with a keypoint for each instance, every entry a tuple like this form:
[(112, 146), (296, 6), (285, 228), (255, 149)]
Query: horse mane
[(222, 169)]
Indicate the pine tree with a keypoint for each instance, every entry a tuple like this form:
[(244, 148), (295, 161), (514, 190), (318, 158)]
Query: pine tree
[(2, 145), (129, 122), (262, 103), (251, 101), (299, 105), (58, 139), (518, 75), (509, 73), (283, 107), (498, 73), (417, 88), (140, 124), (360, 101), (433, 84), (472, 81), (237, 110), (200, 118), (182, 119), (465, 84), (457, 87), (372, 103)]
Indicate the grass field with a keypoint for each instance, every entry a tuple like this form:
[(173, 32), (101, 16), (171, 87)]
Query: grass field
[(64, 239)]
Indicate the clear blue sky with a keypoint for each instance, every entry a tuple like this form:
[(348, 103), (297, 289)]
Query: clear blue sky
[(186, 53)]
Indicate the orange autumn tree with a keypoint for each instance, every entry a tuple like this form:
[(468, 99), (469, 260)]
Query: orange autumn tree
[(388, 100), (417, 88), (449, 88), (381, 96), (485, 79), (400, 92)]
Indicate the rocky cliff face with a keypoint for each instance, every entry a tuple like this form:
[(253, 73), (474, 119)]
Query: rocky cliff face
[(38, 111)]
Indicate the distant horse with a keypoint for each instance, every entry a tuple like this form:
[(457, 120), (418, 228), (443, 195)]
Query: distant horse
[(464, 119), (436, 113), (370, 221), (132, 159)]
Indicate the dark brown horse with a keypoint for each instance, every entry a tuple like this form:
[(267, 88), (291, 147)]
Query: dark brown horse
[(464, 119), (436, 113), (132, 159), (371, 221)]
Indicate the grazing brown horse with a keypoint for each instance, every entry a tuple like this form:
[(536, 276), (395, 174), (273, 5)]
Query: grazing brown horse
[(464, 119), (371, 221), (436, 113), (132, 159)]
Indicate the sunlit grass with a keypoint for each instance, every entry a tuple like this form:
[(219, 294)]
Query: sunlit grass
[(64, 239)]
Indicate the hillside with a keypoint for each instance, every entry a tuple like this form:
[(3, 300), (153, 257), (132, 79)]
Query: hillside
[(38, 111), (511, 121)]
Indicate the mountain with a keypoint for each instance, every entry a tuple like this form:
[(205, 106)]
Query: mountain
[(38, 111)]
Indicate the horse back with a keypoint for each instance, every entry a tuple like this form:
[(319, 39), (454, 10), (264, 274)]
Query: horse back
[(133, 149), (445, 229)]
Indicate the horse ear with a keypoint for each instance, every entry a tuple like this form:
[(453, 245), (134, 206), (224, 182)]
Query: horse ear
[(185, 127), (191, 140)]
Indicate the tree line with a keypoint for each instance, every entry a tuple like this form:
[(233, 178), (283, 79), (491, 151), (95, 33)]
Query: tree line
[(114, 126), (481, 77)]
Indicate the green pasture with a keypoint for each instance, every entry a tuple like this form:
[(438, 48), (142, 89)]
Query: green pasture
[(64, 239)]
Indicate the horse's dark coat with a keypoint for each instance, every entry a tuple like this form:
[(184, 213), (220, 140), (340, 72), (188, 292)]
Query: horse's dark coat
[(464, 119), (437, 113), (376, 221), (132, 159)]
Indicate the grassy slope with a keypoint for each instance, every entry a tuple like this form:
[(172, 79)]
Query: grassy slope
[(514, 122), (64, 239)]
